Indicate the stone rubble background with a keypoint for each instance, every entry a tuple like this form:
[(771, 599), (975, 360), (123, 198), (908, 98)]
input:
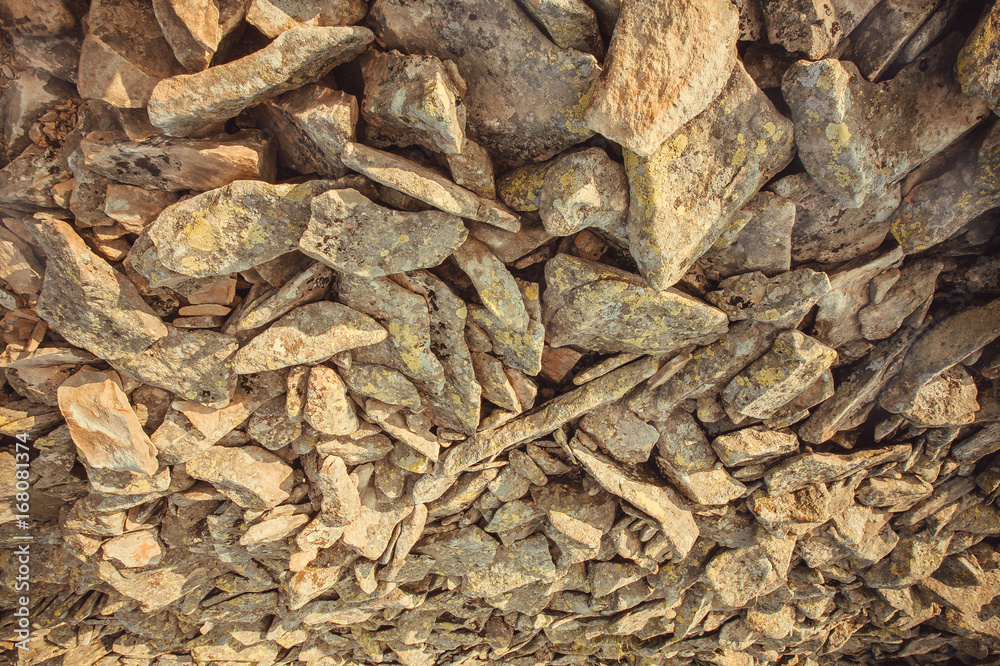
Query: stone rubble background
[(526, 332)]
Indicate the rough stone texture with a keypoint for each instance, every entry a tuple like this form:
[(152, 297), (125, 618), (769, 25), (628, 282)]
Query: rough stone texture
[(584, 189), (764, 242), (273, 17), (885, 31), (354, 235), (782, 301), (753, 445), (250, 476), (679, 204), (846, 128), (498, 68), (665, 64), (976, 67), (812, 27), (183, 104)]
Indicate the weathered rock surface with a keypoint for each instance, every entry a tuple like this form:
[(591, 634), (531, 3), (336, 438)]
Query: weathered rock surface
[(814, 28), (250, 476), (273, 17), (977, 67)]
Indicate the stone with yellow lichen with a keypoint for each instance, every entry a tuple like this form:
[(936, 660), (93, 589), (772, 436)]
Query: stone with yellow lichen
[(947, 400), (86, 301), (413, 99), (571, 24), (472, 168), (683, 195), (250, 476), (793, 364), (621, 433), (308, 334), (857, 138), (181, 105), (708, 487), (850, 291), (763, 242), (525, 97), (352, 234), (910, 292), (272, 17), (233, 228), (605, 309), (584, 189), (682, 444), (782, 301), (814, 28), (382, 383), (328, 408), (978, 65), (914, 559), (939, 209), (753, 445), (666, 63), (808, 469), (496, 286)]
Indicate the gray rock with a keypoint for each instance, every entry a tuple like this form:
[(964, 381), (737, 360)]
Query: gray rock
[(763, 244), (782, 301), (976, 66), (621, 433), (515, 565), (272, 17), (812, 28)]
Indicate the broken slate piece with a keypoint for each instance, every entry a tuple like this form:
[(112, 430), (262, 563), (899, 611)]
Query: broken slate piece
[(763, 244), (753, 445), (352, 234), (811, 468), (514, 565), (571, 24), (495, 284), (250, 476), (584, 189), (273, 17), (811, 27), (782, 301), (308, 334), (183, 104), (912, 290), (327, 407), (947, 400), (621, 433)]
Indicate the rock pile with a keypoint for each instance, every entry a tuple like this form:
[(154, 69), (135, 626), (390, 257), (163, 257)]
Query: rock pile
[(523, 332)]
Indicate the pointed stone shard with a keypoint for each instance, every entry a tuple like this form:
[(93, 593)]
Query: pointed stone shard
[(816, 468), (248, 475), (814, 28), (354, 235), (977, 67), (495, 284), (327, 407), (103, 425), (518, 564), (782, 301), (666, 63), (764, 244), (684, 193), (194, 28), (183, 104), (605, 309), (273, 17), (753, 445), (341, 502), (307, 334)]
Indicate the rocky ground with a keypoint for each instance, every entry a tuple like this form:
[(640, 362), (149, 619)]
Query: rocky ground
[(527, 332)]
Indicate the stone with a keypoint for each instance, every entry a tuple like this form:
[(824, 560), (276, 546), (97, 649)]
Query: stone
[(940, 208), (30, 96), (271, 427), (606, 577), (753, 445), (341, 501), (738, 576), (135, 549), (709, 487), (515, 565), (307, 334), (501, 68), (496, 386), (273, 17), (584, 189), (976, 66), (665, 66), (947, 400), (371, 532), (382, 383), (356, 451), (413, 100), (327, 407), (675, 521), (134, 207), (670, 226), (311, 125), (763, 244), (19, 267), (426, 185), (813, 28), (496, 286), (232, 228), (910, 292), (37, 19), (782, 301), (193, 30), (248, 475), (309, 285), (166, 163), (459, 552), (56, 55), (848, 139), (103, 425), (88, 302), (621, 433), (598, 307), (912, 560), (887, 492), (578, 541), (794, 363), (124, 54), (829, 232), (807, 469), (180, 105), (682, 445), (571, 24), (885, 31), (520, 351), (26, 183), (472, 168)]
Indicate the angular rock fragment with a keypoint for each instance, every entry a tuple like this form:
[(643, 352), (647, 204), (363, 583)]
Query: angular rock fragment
[(665, 65), (812, 468), (183, 104), (413, 100), (571, 24), (884, 32), (327, 407), (910, 292), (753, 445), (273, 17), (846, 129), (782, 301), (382, 383), (977, 63), (763, 244), (308, 334), (810, 27), (353, 235), (745, 140), (597, 307), (515, 565), (194, 29), (850, 291), (250, 476), (341, 502), (621, 433), (583, 189)]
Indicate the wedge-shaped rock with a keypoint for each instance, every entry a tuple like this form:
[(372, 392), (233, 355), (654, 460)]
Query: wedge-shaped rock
[(829, 232), (621, 433), (754, 445), (248, 475), (413, 100), (682, 444), (183, 104), (584, 189), (233, 228), (850, 291), (947, 400), (797, 512), (352, 234), (88, 302), (938, 209), (31, 95), (518, 564), (195, 28), (341, 502), (165, 163), (676, 522), (814, 28), (782, 301), (381, 383), (684, 193), (911, 290), (763, 244), (913, 559), (496, 286), (666, 63), (50, 17), (309, 285), (709, 487), (977, 67), (370, 533), (273, 17), (124, 54), (812, 468), (605, 309), (885, 31), (525, 95), (739, 575), (327, 407), (848, 130), (308, 334), (311, 126), (426, 185), (459, 552), (19, 267), (103, 425), (571, 24)]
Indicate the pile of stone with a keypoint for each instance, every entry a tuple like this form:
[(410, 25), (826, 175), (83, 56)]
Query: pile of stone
[(524, 332)]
